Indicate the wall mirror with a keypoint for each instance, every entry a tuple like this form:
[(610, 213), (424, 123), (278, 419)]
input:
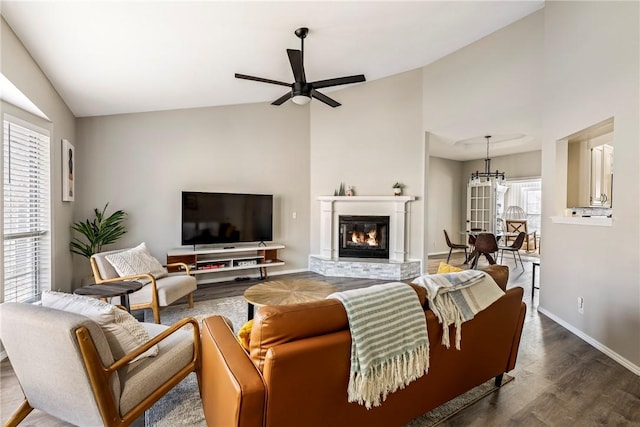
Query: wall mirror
[(590, 166)]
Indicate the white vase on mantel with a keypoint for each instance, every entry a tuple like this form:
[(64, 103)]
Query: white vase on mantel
[(397, 191)]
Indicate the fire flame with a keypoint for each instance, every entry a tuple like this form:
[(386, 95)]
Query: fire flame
[(371, 241), (359, 237)]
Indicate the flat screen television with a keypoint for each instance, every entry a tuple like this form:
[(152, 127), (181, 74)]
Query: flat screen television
[(210, 218)]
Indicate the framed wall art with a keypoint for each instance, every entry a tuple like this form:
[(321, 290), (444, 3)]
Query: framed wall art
[(68, 171)]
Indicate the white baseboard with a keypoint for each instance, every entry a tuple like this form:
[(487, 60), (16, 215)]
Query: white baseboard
[(444, 253), (595, 343), (3, 355)]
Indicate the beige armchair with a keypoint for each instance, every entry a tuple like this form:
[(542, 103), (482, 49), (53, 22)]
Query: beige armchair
[(66, 367), (160, 291)]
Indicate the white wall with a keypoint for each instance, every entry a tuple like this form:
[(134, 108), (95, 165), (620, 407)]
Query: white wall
[(373, 140), (591, 73), (17, 65), (141, 162)]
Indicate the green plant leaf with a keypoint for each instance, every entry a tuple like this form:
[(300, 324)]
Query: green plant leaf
[(96, 233)]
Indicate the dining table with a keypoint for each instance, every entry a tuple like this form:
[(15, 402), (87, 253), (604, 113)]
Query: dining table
[(486, 248)]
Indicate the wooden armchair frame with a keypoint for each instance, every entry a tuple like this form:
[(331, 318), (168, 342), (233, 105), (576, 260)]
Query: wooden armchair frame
[(517, 226), (154, 305), (100, 376)]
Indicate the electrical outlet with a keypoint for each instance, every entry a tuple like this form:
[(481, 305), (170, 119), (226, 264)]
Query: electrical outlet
[(294, 215), (580, 305)]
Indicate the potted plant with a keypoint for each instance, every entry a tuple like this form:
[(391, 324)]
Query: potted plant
[(100, 231), (397, 188)]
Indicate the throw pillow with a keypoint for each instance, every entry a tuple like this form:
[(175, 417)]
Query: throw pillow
[(446, 268), (244, 334), (136, 261), (123, 332)]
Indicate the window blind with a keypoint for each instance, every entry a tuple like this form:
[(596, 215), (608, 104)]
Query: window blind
[(26, 212)]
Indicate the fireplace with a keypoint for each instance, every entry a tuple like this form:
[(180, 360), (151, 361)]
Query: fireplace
[(363, 236)]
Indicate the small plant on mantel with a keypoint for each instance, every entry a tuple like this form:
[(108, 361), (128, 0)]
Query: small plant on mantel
[(397, 188), (340, 191), (96, 233)]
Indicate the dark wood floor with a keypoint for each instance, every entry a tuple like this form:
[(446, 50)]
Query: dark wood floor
[(560, 380)]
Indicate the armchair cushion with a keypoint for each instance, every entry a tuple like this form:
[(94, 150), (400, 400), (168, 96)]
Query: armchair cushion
[(142, 378), (123, 332), (136, 261), (170, 289)]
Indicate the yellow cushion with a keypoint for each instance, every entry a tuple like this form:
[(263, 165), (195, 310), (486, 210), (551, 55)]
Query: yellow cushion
[(446, 268), (245, 333)]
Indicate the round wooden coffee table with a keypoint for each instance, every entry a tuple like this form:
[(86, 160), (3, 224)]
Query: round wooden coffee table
[(288, 291)]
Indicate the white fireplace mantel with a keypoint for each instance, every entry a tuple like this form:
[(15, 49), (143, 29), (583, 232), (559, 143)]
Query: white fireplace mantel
[(384, 199), (394, 206)]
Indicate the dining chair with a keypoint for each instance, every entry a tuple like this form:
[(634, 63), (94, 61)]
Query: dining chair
[(486, 244), (516, 226), (514, 248), (453, 246)]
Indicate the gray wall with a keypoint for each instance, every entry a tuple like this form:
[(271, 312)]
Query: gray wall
[(373, 140), (590, 76), (447, 198), (17, 65), (141, 162), (523, 165), (448, 192)]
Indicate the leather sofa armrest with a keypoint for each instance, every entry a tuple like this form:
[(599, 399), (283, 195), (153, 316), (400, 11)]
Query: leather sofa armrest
[(516, 339), (232, 389)]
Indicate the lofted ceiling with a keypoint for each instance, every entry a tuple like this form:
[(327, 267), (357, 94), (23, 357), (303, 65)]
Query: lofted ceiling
[(113, 57)]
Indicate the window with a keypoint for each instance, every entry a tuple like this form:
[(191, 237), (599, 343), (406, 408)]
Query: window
[(26, 212), (527, 194), (533, 207)]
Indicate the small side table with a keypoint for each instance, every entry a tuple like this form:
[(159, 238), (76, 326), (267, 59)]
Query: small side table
[(111, 289), (534, 264)]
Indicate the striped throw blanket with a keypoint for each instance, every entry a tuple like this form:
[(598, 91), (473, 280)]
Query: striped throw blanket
[(389, 341), (457, 297)]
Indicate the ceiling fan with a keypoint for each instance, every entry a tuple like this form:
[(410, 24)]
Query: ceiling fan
[(301, 90)]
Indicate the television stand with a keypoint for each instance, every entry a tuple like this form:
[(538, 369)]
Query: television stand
[(204, 262)]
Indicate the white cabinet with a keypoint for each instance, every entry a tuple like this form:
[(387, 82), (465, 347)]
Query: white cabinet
[(206, 261), (485, 204), (601, 175)]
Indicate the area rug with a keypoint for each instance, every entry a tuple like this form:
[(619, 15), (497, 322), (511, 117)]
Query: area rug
[(233, 308), (182, 405)]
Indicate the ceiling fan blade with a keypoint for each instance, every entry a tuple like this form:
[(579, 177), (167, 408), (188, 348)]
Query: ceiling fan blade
[(260, 79), (295, 58), (282, 99), (324, 98), (338, 81)]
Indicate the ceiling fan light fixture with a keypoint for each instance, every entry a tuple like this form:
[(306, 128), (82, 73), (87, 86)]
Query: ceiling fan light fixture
[(301, 99), (301, 90)]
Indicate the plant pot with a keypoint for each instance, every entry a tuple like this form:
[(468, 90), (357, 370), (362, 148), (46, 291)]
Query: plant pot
[(397, 191)]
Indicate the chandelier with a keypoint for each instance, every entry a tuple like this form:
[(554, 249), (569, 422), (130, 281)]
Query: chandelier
[(477, 177)]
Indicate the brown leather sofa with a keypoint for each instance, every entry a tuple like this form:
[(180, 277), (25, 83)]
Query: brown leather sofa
[(297, 371)]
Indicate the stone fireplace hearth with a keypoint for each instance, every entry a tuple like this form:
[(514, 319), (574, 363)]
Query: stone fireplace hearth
[(374, 239)]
